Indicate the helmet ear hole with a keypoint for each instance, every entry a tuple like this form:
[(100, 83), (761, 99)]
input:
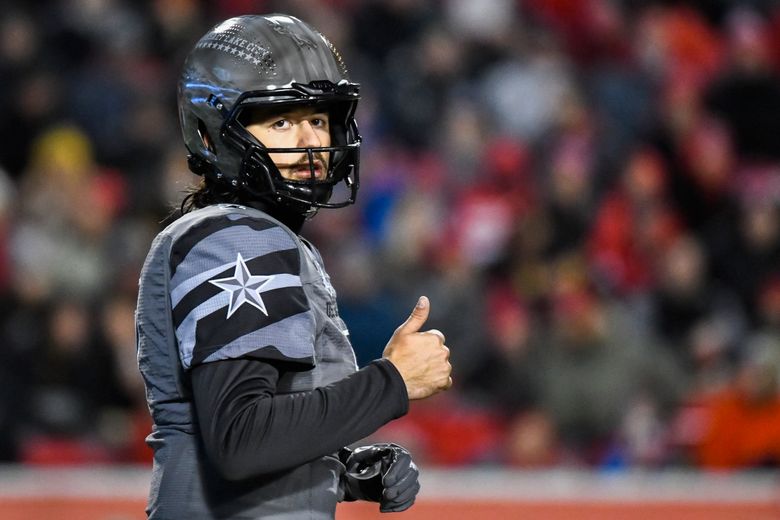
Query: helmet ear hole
[(205, 137)]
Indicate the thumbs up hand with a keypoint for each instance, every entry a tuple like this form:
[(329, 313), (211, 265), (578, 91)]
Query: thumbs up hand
[(421, 358)]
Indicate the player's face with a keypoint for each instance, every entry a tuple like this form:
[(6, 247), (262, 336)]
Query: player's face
[(301, 127)]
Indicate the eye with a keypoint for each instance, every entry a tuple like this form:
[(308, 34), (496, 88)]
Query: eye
[(319, 122), (281, 124)]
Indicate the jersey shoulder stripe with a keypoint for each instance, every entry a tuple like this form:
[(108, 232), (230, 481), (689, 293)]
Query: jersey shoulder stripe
[(206, 226), (216, 252), (235, 284), (255, 333)]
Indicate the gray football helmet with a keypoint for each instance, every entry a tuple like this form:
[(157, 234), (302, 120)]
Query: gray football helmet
[(267, 61)]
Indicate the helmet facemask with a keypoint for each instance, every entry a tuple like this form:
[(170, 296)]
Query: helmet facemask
[(260, 177)]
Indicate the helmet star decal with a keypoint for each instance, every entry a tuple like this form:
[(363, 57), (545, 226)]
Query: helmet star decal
[(243, 287)]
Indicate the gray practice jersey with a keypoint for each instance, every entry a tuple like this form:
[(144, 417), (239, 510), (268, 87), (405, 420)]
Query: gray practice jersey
[(227, 282)]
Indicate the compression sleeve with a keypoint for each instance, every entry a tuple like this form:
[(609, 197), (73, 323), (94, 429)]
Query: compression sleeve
[(249, 431)]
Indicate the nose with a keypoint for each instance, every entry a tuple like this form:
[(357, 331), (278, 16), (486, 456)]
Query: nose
[(307, 136)]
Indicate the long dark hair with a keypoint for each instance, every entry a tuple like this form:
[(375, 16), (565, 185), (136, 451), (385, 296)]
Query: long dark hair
[(206, 193)]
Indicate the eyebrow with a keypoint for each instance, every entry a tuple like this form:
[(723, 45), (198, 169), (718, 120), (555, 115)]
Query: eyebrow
[(255, 115)]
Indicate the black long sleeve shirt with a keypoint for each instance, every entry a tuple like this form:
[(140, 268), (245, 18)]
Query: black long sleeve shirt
[(248, 430)]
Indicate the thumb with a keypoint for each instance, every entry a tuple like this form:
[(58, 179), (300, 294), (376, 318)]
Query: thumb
[(416, 320)]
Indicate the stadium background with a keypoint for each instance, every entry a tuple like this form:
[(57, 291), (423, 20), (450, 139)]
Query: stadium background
[(587, 191)]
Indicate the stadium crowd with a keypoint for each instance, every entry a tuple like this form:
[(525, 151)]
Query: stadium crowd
[(588, 192)]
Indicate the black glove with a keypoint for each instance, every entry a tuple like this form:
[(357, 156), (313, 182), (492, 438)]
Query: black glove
[(383, 473)]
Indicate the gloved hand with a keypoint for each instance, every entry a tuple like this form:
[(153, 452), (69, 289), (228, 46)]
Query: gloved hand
[(383, 473)]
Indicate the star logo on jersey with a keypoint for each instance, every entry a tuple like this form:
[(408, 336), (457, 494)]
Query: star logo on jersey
[(243, 287)]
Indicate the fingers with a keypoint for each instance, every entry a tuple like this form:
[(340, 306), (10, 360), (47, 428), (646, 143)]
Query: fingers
[(401, 495), (421, 357), (398, 470), (401, 501), (401, 481), (416, 320), (406, 494), (437, 333)]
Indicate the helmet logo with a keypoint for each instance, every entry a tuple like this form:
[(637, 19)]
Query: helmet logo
[(226, 39), (300, 40)]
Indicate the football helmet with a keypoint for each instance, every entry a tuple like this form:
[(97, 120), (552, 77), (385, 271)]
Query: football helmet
[(268, 62)]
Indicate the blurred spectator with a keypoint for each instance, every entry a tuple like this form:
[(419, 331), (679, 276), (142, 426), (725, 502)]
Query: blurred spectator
[(406, 18), (571, 188), (484, 214), (125, 421), (768, 307), (69, 205), (592, 375), (503, 375), (73, 384), (686, 297), (703, 186), (742, 423), (633, 223), (531, 441), (754, 255), (540, 77), (28, 94), (594, 30), (747, 96), (420, 79)]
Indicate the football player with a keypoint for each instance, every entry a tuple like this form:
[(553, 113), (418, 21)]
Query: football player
[(250, 376)]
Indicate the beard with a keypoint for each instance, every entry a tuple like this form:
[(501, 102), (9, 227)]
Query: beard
[(301, 170)]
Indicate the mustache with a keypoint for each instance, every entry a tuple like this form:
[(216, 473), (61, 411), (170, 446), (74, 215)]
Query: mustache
[(303, 162)]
